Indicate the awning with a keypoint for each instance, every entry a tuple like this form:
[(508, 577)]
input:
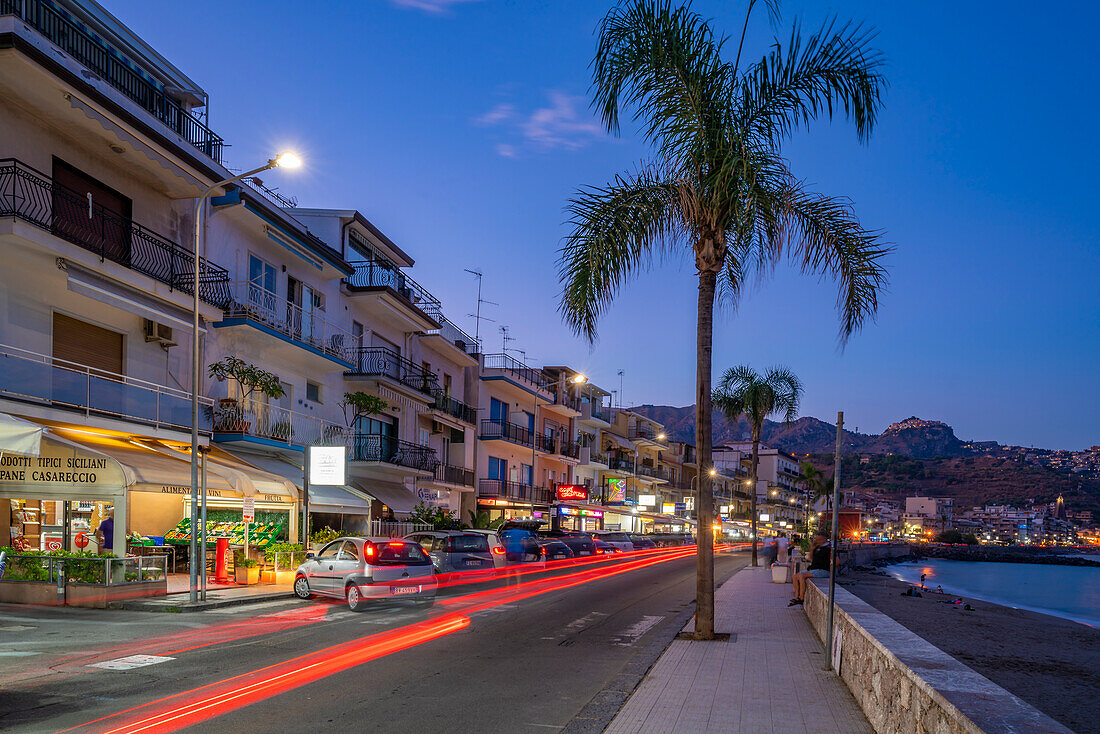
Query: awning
[(619, 441), (336, 500), (394, 496), (18, 436)]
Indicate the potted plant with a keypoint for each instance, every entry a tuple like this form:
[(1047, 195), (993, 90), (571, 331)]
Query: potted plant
[(247, 570), (249, 379)]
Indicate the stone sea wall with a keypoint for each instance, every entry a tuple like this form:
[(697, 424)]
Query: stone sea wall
[(906, 685)]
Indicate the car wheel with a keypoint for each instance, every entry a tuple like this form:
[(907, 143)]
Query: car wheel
[(356, 603), (301, 588)]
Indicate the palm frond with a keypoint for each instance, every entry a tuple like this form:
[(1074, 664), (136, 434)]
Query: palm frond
[(791, 86), (616, 230)]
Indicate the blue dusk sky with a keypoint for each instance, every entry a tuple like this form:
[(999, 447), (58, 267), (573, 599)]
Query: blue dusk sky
[(461, 127)]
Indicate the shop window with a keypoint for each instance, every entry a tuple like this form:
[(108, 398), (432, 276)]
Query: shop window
[(87, 344)]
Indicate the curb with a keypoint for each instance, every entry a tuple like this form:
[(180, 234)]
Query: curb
[(199, 606)]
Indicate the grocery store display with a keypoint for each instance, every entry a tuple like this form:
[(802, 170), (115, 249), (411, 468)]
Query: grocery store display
[(260, 534)]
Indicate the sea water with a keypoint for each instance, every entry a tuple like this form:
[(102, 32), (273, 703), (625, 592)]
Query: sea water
[(1071, 592)]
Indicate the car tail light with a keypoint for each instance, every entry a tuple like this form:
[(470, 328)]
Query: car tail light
[(368, 548), (498, 550), (395, 544)]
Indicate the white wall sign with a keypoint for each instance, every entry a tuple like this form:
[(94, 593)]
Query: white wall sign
[(327, 465), (647, 500), (765, 517), (249, 509)]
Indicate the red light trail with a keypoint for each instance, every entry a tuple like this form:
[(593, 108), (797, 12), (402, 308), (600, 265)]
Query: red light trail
[(190, 707)]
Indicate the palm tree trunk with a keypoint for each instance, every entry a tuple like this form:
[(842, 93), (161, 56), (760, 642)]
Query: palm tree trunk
[(752, 487), (704, 500)]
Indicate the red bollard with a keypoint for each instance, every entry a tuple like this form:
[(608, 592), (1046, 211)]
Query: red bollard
[(221, 561)]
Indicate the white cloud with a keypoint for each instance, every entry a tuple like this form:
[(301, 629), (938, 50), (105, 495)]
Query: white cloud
[(563, 124), (430, 6)]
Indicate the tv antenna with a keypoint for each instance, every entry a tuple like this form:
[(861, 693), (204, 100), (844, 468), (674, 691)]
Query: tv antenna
[(620, 373), (504, 338), (476, 272)]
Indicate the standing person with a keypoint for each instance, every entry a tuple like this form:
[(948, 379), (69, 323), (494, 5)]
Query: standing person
[(781, 545), (105, 533), (819, 567)]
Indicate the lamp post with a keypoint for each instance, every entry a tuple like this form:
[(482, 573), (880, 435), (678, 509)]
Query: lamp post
[(286, 160)]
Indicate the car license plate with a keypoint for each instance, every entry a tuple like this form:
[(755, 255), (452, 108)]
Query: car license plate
[(404, 590), (584, 553), (473, 562)]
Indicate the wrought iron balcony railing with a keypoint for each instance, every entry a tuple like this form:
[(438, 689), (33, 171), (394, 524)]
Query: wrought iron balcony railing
[(454, 475), (595, 411), (275, 424), (511, 365), (34, 197), (647, 434), (42, 380), (383, 362), (456, 336), (390, 450), (502, 489), (455, 408), (307, 327), (109, 64), (572, 449), (495, 428), (381, 274)]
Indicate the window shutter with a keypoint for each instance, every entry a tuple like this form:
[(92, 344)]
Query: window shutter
[(87, 344)]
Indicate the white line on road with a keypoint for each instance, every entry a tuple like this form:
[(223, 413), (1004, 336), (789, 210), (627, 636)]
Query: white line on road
[(16, 628), (131, 661), (17, 653), (577, 625), (630, 635)]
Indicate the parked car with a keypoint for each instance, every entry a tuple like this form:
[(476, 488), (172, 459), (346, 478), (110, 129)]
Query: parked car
[(360, 569), (520, 541), (496, 548), (553, 549), (667, 540), (615, 538), (455, 550), (641, 542), (603, 548), (580, 543)]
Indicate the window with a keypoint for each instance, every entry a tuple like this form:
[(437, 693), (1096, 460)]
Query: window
[(379, 341), (527, 474), (498, 468), (349, 553), (330, 551), (530, 422), (446, 384), (424, 436), (87, 344), (261, 283), (313, 392), (498, 410), (91, 214)]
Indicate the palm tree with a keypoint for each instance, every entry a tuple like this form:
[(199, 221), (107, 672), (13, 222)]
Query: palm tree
[(812, 480), (718, 188), (743, 392)]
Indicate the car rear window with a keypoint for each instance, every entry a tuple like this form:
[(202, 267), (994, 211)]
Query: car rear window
[(472, 543), (614, 538), (397, 553)]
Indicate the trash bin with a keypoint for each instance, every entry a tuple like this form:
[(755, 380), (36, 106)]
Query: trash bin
[(221, 561), (781, 573)]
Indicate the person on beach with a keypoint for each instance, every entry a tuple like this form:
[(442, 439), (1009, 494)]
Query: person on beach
[(819, 568)]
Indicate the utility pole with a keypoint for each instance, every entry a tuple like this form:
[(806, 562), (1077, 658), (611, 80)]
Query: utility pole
[(620, 389), (833, 540)]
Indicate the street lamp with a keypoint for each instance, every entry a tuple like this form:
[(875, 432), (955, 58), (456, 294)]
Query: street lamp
[(284, 160)]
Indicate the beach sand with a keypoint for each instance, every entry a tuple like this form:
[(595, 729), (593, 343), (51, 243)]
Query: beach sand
[(1052, 663)]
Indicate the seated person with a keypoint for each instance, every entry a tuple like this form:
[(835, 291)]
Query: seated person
[(819, 567)]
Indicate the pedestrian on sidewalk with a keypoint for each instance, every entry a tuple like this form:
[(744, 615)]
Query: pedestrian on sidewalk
[(105, 533), (819, 568)]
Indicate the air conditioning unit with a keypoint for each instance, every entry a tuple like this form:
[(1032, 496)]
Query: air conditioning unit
[(160, 333), (438, 427)]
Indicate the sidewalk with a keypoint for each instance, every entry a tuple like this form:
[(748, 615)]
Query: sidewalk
[(767, 678), (217, 596)]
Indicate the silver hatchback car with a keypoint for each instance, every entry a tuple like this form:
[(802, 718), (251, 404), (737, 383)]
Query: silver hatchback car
[(361, 569), (455, 550)]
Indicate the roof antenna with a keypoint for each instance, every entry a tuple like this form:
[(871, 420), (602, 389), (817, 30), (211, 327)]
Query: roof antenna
[(476, 272)]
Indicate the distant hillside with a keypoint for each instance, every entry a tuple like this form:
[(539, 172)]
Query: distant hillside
[(808, 435)]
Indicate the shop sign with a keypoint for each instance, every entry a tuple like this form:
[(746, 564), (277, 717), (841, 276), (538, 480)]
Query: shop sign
[(327, 465), (574, 512), (647, 500), (572, 493), (616, 490), (249, 509), (60, 468), (680, 507), (765, 517), (668, 508)]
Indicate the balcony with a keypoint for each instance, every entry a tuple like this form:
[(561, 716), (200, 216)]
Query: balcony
[(33, 197), (39, 380), (595, 413), (590, 456), (508, 366), (648, 437), (304, 327), (565, 403), (504, 490), (622, 464), (653, 472), (568, 449), (455, 408), (375, 448), (448, 474), (272, 426), (386, 279), (108, 64), (456, 338), (380, 363), (499, 430)]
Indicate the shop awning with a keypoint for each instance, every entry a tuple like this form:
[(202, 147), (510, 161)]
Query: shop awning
[(621, 442), (394, 496), (18, 436), (336, 500)]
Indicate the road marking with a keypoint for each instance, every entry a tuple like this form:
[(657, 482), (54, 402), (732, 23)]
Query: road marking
[(629, 636), (577, 625), (17, 654), (16, 628), (131, 661)]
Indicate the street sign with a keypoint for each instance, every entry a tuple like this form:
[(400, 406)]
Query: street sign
[(249, 509), (327, 465), (681, 507)]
